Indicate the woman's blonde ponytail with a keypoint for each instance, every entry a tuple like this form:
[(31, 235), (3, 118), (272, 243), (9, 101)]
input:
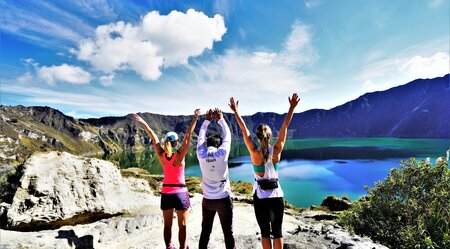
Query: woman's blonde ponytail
[(168, 147), (265, 147)]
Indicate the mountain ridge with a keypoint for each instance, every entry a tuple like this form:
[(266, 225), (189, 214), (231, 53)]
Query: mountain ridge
[(418, 109)]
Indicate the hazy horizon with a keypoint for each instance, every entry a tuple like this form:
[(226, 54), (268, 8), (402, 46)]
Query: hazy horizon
[(225, 111)]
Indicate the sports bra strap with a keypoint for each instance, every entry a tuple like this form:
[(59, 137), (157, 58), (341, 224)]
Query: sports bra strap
[(259, 169)]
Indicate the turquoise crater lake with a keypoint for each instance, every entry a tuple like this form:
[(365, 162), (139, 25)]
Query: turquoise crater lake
[(312, 169)]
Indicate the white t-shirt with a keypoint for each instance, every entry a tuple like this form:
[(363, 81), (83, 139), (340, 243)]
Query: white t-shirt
[(214, 163)]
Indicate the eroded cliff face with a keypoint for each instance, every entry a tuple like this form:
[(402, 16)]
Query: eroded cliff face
[(57, 188), (24, 130)]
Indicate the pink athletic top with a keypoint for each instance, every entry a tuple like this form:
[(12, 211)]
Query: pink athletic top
[(173, 176)]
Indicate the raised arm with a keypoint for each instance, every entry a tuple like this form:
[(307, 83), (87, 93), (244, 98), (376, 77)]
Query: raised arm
[(224, 149), (251, 146), (201, 142), (184, 148), (151, 133), (279, 144)]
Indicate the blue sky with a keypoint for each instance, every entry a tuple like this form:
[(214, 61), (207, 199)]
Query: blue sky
[(93, 58)]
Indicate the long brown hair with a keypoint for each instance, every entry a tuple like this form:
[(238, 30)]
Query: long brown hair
[(264, 133)]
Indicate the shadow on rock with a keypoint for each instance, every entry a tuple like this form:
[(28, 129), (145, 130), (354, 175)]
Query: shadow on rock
[(84, 242)]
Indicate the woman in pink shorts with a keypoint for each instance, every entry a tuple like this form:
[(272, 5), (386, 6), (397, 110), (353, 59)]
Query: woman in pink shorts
[(174, 194)]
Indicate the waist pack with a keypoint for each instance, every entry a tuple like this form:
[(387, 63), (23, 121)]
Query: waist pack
[(267, 184)]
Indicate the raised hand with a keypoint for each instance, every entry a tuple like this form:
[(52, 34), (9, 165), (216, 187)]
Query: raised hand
[(233, 105), (197, 113), (139, 119), (209, 115), (293, 101), (217, 113)]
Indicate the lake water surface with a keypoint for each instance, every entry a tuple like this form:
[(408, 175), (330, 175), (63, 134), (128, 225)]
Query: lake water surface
[(312, 169)]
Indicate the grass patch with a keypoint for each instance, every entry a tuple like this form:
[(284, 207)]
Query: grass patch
[(242, 188), (193, 183)]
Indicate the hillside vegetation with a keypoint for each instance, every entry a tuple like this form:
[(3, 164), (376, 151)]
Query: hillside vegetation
[(409, 209)]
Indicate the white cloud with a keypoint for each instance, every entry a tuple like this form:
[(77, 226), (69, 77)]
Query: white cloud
[(297, 47), (263, 78), (76, 114), (312, 3), (435, 3), (263, 58), (223, 7), (426, 67), (26, 78), (369, 86), (107, 80), (156, 42), (373, 56), (52, 74), (50, 26), (238, 70), (382, 70), (63, 73), (93, 101), (94, 8)]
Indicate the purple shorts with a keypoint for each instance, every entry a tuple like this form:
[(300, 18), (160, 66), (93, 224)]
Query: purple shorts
[(179, 201)]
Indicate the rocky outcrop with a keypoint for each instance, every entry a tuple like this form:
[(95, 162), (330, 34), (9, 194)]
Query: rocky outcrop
[(144, 230), (325, 234), (334, 203), (58, 188)]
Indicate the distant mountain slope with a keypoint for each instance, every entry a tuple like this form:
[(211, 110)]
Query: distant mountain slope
[(27, 129), (419, 109)]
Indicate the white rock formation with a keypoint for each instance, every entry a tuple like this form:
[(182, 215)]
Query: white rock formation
[(89, 137), (58, 188), (144, 230)]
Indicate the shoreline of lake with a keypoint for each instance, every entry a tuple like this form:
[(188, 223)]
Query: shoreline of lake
[(312, 169)]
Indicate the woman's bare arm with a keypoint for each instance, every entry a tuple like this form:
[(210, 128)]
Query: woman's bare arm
[(184, 148), (251, 146), (155, 141), (279, 144)]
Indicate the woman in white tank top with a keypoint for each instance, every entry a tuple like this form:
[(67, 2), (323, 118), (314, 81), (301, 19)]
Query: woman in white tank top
[(268, 195)]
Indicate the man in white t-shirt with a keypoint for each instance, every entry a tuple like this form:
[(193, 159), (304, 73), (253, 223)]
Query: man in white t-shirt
[(212, 154)]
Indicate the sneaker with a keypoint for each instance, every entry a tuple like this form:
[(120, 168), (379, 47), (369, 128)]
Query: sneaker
[(171, 247)]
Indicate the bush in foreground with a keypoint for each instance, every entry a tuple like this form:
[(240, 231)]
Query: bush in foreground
[(410, 209)]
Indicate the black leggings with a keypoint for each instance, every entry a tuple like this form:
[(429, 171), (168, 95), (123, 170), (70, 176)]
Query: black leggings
[(263, 209)]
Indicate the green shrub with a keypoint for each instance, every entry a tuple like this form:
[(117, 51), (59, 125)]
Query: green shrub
[(410, 209), (9, 182), (4, 184), (193, 184), (242, 188)]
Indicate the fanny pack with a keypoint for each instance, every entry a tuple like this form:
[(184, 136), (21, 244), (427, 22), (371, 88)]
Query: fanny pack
[(267, 184)]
